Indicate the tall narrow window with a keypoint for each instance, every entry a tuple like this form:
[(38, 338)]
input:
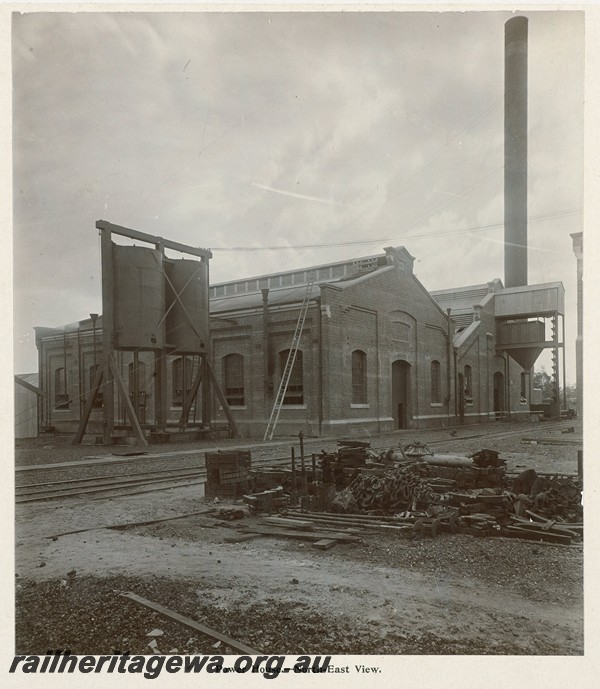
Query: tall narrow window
[(142, 380), (295, 390), (182, 375), (61, 399), (131, 371), (137, 376), (436, 383), (523, 386), (359, 377), (233, 379), (92, 377), (468, 384), (138, 371), (137, 383)]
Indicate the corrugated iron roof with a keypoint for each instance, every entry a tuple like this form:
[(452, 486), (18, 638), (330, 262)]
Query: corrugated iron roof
[(31, 378), (286, 295), (457, 298)]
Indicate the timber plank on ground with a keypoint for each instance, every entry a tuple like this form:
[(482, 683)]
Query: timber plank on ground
[(325, 543), (301, 524), (530, 534), (171, 614), (306, 535)]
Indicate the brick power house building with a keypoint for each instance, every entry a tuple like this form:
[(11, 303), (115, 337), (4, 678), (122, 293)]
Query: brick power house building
[(377, 352)]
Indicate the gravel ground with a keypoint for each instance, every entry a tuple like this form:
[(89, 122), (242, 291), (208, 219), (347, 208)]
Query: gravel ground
[(90, 617), (534, 570), (456, 594)]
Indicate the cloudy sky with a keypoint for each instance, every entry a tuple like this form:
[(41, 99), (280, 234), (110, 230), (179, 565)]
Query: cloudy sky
[(341, 133)]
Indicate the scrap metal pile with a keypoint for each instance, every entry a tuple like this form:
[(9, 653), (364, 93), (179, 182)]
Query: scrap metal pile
[(551, 496), (395, 490), (410, 489), (436, 492)]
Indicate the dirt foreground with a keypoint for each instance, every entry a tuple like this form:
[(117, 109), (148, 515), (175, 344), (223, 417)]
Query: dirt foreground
[(455, 594)]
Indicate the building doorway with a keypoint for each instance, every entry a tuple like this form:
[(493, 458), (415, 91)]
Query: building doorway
[(498, 393), (400, 393)]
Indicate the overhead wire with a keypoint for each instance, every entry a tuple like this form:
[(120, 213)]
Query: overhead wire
[(479, 118), (279, 298), (407, 187), (378, 240), (404, 190)]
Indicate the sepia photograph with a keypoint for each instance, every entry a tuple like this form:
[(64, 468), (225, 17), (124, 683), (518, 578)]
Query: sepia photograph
[(297, 338)]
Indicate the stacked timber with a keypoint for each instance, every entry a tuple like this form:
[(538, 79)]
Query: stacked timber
[(321, 534), (343, 465)]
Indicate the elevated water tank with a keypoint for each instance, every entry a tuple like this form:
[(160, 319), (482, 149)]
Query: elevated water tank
[(187, 319), (524, 333), (139, 298)]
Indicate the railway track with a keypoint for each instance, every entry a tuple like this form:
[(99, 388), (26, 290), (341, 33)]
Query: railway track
[(174, 477), (147, 481), (260, 450), (86, 486)]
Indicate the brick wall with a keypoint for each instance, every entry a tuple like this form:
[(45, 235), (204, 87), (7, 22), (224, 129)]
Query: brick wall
[(391, 318), (387, 315)]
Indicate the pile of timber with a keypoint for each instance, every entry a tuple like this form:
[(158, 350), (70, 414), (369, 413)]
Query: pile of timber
[(343, 465), (491, 501), (353, 453), (321, 535), (534, 529), (479, 524), (408, 523), (325, 529), (538, 528)]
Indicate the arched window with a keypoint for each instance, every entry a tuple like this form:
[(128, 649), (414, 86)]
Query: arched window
[(233, 379), (401, 326), (359, 377), (295, 390), (182, 374), (61, 399), (468, 384), (92, 377), (436, 383)]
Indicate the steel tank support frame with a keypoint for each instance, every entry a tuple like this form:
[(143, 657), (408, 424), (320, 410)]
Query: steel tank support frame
[(107, 375)]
